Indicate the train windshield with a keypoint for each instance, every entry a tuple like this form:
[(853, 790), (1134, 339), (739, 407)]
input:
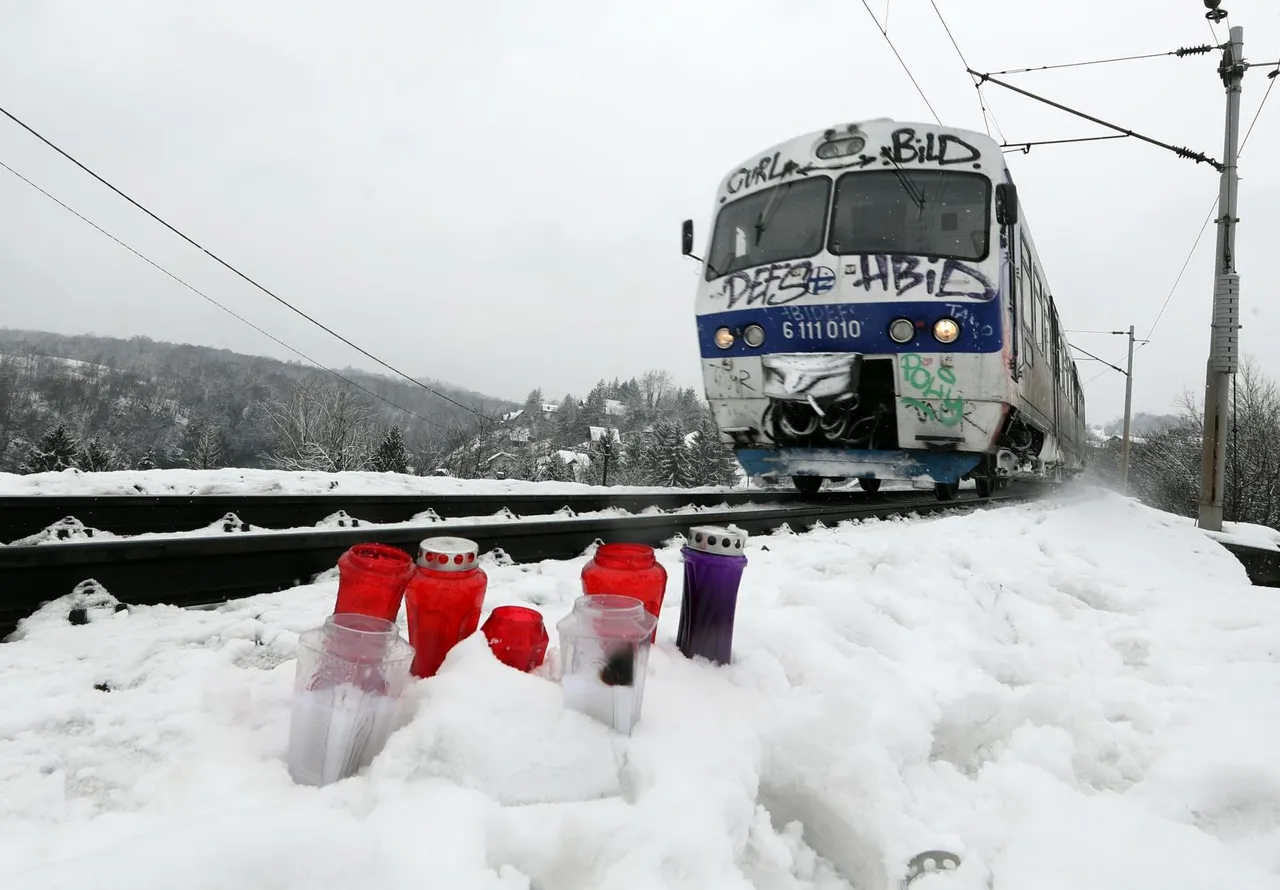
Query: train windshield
[(785, 222), (936, 213)]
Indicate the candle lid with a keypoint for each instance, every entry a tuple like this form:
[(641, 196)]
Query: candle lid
[(448, 554), (717, 539)]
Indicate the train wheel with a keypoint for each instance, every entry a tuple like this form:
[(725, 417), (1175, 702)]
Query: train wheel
[(871, 486), (807, 485), (946, 491), (986, 486)]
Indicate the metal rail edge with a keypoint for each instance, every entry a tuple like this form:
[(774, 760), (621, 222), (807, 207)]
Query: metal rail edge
[(22, 516), (192, 571)]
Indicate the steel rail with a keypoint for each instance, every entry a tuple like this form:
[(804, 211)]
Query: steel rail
[(23, 516), (191, 571)]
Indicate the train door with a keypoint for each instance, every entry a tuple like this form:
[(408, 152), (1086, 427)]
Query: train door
[(1026, 302)]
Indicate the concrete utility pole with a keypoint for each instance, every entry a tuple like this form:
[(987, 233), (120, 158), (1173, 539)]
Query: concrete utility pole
[(1224, 342), (1128, 414)]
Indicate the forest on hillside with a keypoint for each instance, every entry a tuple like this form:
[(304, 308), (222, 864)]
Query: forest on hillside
[(1165, 458), (99, 403)]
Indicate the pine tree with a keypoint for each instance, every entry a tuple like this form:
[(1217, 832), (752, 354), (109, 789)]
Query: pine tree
[(204, 446), (56, 451), (668, 459), (147, 461), (554, 469), (714, 462), (593, 412), (97, 457), (391, 456)]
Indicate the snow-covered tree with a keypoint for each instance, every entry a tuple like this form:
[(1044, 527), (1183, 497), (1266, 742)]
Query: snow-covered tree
[(147, 461), (97, 457), (713, 461), (204, 446), (326, 427), (56, 450), (391, 456)]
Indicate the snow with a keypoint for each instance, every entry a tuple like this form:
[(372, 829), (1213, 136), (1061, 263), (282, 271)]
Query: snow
[(1075, 693), (241, 481), (1247, 534)]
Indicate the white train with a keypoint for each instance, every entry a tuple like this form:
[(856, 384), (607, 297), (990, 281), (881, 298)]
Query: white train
[(872, 306)]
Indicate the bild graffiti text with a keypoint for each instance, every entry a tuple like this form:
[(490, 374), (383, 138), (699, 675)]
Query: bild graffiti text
[(900, 275), (924, 384), (945, 150)]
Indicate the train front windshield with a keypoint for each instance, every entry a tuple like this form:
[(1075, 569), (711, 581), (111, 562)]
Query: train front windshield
[(906, 212)]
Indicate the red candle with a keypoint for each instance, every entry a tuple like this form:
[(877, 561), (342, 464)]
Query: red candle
[(371, 580), (517, 636), (443, 600), (627, 570)]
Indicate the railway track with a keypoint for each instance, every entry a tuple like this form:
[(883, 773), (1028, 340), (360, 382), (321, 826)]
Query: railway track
[(21, 517), (200, 570)]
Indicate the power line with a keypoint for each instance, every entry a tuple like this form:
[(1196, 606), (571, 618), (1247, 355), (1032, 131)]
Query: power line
[(885, 34), (1180, 52), (225, 309), (1261, 105), (1183, 270), (1196, 156), (216, 258), (982, 102)]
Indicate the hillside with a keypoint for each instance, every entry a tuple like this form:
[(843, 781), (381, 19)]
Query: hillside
[(99, 404), (183, 405)]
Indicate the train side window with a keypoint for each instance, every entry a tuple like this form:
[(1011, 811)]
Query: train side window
[(1038, 313), (1026, 306)]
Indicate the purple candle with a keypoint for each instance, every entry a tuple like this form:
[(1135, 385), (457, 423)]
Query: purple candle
[(713, 563)]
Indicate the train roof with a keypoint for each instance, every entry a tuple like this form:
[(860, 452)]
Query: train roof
[(863, 144)]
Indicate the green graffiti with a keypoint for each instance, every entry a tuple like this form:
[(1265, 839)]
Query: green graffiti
[(928, 386)]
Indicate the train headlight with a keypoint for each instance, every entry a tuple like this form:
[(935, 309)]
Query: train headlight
[(901, 330), (753, 334), (946, 330), (724, 338)]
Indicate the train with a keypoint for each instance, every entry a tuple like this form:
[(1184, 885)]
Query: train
[(872, 306)]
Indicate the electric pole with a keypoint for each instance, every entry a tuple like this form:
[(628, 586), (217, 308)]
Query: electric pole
[(1128, 414), (1127, 371), (1224, 340)]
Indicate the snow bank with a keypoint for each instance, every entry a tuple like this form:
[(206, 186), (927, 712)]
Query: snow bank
[(1247, 534), (1073, 694), (245, 482)]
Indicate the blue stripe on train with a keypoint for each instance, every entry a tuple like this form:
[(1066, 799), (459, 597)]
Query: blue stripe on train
[(938, 466), (853, 327)]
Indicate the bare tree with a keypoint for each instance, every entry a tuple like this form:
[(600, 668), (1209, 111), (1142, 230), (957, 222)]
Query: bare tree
[(205, 449), (324, 427)]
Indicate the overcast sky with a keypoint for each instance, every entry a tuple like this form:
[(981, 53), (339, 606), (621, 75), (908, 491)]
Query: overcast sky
[(491, 192)]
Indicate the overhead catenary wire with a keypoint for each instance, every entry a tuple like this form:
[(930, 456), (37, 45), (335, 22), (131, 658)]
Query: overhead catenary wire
[(1208, 218), (914, 82), (281, 300), (224, 308), (988, 116), (1180, 52)]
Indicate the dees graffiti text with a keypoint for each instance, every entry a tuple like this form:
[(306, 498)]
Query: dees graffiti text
[(777, 284)]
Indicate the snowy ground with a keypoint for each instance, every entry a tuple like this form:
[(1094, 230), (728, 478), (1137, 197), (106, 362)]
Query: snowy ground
[(1073, 695), (252, 482)]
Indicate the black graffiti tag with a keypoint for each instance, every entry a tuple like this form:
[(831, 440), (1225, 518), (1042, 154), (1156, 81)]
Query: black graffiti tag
[(773, 285), (767, 170), (945, 150), (902, 274)]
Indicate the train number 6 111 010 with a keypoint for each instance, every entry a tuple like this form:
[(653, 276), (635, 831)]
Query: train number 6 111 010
[(822, 330)]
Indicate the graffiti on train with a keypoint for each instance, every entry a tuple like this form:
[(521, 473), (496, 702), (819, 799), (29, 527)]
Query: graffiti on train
[(942, 404), (900, 275), (777, 284)]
